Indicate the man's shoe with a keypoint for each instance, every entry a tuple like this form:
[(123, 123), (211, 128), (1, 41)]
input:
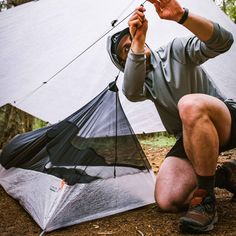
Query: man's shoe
[(201, 215), (229, 168)]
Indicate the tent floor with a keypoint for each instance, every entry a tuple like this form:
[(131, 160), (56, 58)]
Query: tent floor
[(147, 220)]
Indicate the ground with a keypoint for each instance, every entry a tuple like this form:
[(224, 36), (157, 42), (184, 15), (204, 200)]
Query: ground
[(148, 220)]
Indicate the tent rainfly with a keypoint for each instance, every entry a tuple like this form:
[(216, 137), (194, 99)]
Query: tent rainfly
[(41, 37), (88, 166)]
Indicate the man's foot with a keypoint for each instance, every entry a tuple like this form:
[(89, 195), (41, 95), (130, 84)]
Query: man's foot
[(201, 215), (229, 168)]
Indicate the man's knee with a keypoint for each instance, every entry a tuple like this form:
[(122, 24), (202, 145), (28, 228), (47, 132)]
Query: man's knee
[(191, 109), (175, 183), (169, 203), (171, 199)]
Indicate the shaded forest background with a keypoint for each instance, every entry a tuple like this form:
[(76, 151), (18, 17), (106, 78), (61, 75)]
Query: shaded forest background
[(14, 121)]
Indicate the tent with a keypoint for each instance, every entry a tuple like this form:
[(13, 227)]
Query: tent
[(88, 166), (53, 61), (41, 37)]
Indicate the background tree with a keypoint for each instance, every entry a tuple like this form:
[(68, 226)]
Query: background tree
[(18, 2), (12, 122), (228, 7), (6, 4)]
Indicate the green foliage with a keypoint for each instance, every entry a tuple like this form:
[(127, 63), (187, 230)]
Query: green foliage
[(229, 7), (14, 121), (157, 140), (37, 123)]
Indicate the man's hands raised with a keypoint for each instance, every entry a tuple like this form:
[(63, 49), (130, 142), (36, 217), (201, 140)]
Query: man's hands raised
[(168, 9)]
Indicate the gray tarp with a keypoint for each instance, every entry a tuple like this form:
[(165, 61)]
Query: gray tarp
[(39, 38)]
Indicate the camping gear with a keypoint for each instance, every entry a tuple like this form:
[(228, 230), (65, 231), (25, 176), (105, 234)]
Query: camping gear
[(87, 166)]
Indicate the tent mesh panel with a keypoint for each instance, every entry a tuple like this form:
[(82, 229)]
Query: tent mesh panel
[(95, 142)]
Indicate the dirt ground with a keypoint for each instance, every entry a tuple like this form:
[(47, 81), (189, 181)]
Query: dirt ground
[(148, 220)]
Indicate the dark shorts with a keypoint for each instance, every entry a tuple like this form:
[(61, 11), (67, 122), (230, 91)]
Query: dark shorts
[(178, 149)]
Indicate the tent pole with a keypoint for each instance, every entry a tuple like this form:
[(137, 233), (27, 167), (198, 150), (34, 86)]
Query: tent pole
[(42, 233), (116, 139)]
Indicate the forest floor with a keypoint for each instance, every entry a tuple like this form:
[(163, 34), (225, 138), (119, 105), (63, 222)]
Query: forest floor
[(148, 220)]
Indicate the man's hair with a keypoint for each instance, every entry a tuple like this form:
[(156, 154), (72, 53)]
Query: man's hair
[(112, 46)]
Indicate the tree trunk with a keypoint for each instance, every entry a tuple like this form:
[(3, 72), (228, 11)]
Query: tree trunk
[(14, 122), (18, 2), (224, 6)]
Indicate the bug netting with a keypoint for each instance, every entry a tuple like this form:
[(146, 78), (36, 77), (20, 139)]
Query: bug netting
[(93, 154)]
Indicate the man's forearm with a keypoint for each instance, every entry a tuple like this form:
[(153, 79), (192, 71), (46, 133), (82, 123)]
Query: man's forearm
[(134, 77), (199, 26)]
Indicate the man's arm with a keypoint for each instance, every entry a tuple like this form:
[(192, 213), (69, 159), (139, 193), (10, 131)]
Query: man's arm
[(172, 10), (199, 26), (211, 39), (135, 68)]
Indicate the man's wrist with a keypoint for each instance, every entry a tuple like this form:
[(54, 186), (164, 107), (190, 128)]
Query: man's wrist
[(137, 52), (184, 16), (137, 47)]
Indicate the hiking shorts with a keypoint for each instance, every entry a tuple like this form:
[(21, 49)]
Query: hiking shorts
[(178, 149)]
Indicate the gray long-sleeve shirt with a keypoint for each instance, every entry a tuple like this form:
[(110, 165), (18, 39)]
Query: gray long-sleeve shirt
[(176, 72)]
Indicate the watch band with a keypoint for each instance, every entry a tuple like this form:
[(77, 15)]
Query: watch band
[(184, 17)]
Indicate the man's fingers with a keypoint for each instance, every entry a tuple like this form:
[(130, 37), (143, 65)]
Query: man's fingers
[(139, 13), (164, 1), (140, 8), (135, 23), (137, 17), (159, 1), (157, 4), (152, 1)]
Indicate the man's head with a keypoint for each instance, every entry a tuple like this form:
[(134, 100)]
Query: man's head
[(118, 46)]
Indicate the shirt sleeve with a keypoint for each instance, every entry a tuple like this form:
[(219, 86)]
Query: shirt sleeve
[(193, 50), (134, 77)]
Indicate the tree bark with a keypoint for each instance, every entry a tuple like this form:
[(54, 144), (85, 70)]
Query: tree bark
[(14, 122), (18, 2)]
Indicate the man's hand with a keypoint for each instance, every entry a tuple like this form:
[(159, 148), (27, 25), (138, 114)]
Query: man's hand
[(172, 10), (138, 23), (138, 26), (168, 9)]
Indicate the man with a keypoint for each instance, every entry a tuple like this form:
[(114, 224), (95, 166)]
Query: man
[(190, 105)]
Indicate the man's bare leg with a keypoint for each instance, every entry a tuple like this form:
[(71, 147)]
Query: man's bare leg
[(206, 127), (175, 184)]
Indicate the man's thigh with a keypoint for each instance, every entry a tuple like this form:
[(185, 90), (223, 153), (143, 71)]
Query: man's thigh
[(192, 107)]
